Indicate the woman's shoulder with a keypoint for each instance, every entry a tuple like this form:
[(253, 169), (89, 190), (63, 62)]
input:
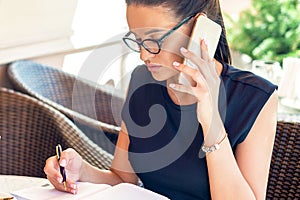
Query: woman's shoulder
[(141, 72), (235, 76)]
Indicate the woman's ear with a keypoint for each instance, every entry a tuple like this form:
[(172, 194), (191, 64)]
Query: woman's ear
[(196, 16)]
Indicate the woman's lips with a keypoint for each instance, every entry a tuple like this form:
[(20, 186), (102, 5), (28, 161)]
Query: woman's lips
[(153, 68)]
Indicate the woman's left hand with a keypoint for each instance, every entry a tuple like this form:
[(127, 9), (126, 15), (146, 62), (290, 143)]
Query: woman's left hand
[(206, 87)]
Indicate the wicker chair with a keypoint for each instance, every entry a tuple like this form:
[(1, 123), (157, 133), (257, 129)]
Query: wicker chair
[(284, 176), (30, 130), (95, 109)]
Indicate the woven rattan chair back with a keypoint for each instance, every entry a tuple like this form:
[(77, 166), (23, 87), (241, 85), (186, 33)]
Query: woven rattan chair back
[(29, 131), (284, 176), (95, 109)]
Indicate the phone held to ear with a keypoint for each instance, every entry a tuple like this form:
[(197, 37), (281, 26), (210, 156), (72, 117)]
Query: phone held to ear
[(207, 29)]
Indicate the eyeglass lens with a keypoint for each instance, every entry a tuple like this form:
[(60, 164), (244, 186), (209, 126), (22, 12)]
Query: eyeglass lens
[(149, 44)]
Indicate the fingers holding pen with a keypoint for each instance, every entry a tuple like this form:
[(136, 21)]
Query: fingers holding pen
[(71, 186), (51, 169)]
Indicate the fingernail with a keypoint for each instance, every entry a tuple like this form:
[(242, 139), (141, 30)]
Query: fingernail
[(73, 186), (183, 50), (63, 163), (73, 191), (176, 64), (204, 41), (172, 85)]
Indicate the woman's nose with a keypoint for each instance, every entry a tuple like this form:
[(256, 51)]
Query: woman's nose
[(145, 55)]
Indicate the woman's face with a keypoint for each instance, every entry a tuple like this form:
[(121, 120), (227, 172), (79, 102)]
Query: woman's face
[(152, 22)]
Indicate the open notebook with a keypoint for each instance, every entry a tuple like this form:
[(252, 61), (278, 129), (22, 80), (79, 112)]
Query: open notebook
[(123, 191)]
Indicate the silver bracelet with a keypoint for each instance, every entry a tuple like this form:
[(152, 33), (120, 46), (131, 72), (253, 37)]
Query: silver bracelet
[(209, 149)]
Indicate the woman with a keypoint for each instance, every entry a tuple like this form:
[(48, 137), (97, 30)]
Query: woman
[(225, 113)]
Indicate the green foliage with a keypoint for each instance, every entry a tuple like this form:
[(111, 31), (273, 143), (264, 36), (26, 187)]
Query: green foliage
[(269, 30)]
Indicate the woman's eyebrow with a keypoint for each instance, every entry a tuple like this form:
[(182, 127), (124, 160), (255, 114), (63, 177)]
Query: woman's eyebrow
[(154, 31)]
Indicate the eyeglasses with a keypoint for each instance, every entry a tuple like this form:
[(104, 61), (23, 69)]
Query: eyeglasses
[(151, 45)]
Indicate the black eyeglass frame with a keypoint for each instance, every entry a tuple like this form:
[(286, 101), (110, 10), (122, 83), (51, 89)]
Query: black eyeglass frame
[(159, 41)]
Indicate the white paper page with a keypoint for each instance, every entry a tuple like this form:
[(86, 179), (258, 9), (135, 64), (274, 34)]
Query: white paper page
[(47, 192), (126, 191)]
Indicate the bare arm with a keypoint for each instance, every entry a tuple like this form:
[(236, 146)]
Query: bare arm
[(120, 171), (245, 177), (79, 170), (254, 154)]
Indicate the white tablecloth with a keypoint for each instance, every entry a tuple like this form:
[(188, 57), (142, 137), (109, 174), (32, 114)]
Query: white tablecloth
[(9, 183)]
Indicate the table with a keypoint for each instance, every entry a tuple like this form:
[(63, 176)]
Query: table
[(11, 183), (126, 191)]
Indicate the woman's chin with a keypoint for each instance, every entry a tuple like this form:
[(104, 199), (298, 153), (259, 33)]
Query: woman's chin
[(164, 76), (161, 73)]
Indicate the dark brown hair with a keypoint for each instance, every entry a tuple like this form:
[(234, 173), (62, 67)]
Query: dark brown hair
[(184, 8)]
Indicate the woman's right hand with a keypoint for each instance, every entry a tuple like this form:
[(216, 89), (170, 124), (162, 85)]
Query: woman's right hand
[(73, 164)]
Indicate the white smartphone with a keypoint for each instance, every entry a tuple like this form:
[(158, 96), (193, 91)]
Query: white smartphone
[(210, 31)]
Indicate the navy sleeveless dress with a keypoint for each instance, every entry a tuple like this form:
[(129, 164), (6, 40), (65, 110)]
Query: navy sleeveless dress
[(165, 138)]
